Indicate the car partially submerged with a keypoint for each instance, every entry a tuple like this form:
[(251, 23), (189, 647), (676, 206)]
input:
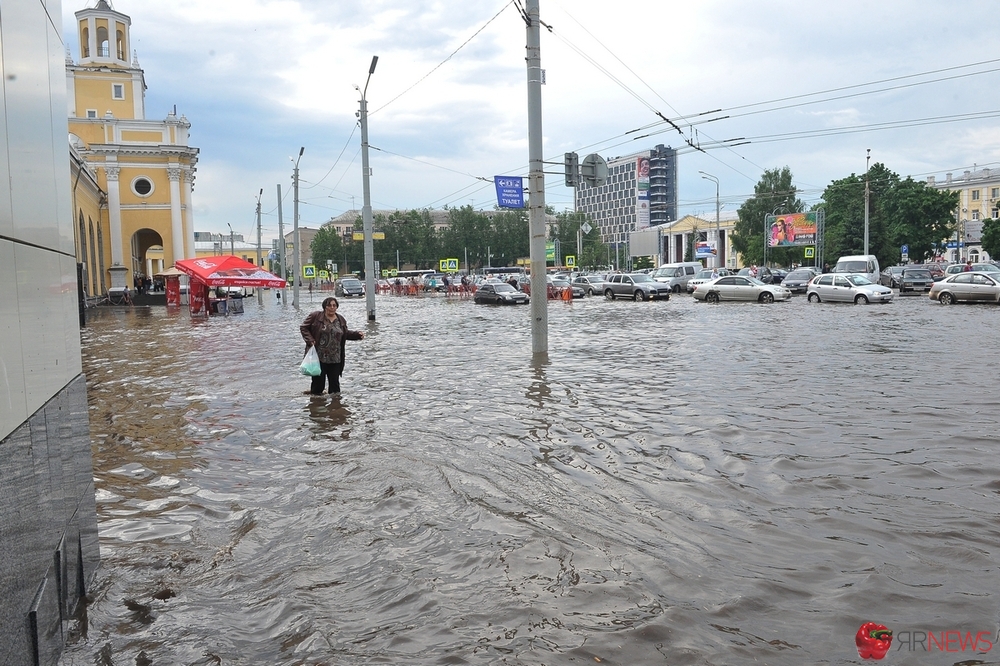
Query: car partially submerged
[(847, 288), (740, 288), (499, 293), (967, 286)]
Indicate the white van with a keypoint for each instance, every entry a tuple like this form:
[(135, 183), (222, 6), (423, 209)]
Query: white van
[(859, 264), (677, 275)]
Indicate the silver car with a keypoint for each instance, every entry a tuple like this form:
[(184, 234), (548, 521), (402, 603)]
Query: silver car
[(591, 284), (847, 288), (968, 286), (740, 288), (637, 286)]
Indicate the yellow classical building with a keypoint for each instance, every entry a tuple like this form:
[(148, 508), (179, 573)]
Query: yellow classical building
[(136, 216)]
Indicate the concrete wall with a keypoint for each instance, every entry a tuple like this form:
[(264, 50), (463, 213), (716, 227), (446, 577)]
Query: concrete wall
[(48, 525)]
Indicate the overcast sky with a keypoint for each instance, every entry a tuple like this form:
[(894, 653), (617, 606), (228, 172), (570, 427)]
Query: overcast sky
[(258, 79)]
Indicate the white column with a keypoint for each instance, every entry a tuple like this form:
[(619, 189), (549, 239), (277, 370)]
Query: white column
[(115, 215), (149, 267), (189, 211), (176, 223)]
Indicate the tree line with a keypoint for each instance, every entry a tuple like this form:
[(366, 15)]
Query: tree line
[(901, 211), (498, 238)]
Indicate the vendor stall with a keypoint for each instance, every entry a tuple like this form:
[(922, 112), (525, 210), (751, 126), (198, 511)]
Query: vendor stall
[(222, 271)]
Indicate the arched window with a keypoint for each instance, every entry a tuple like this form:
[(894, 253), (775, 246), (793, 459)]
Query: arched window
[(93, 274), (100, 259), (120, 44), (103, 49), (85, 42)]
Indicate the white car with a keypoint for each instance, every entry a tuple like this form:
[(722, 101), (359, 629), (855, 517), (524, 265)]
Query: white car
[(847, 288), (740, 288)]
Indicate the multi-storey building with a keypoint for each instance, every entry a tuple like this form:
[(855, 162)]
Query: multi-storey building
[(979, 199), (143, 168), (641, 191)]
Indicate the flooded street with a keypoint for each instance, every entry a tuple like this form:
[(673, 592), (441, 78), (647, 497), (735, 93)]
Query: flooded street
[(680, 483)]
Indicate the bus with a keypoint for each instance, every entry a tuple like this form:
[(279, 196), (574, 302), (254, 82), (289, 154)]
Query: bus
[(418, 274)]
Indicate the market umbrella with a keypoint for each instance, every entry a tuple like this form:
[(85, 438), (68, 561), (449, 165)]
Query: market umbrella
[(228, 271)]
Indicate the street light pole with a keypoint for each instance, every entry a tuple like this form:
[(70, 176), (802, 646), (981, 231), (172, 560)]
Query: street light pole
[(260, 294), (296, 260), (231, 242), (718, 234), (867, 160), (366, 211), (281, 249)]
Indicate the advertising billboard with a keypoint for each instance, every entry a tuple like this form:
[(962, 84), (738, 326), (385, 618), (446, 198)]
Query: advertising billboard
[(791, 229), (704, 249)]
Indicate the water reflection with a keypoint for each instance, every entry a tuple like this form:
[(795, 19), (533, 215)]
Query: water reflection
[(677, 482)]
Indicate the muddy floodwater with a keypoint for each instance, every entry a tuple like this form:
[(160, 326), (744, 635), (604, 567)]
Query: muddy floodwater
[(680, 483)]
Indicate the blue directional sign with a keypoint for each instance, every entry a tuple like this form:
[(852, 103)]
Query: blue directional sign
[(510, 191)]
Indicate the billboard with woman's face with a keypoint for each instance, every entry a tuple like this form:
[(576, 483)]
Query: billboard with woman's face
[(791, 229)]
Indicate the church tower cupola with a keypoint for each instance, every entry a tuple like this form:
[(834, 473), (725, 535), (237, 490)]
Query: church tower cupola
[(104, 35)]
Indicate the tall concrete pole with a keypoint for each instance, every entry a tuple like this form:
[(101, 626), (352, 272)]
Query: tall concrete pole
[(366, 210), (536, 185), (281, 246), (296, 269)]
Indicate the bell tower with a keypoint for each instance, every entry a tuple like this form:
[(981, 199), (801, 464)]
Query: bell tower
[(105, 80)]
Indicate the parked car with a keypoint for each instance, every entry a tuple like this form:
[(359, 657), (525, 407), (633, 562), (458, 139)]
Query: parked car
[(967, 286), (976, 268), (704, 275), (637, 286), (797, 281), (777, 275), (763, 274), (847, 288), (591, 284), (499, 293), (348, 287), (915, 279), (890, 276), (676, 275), (937, 271), (560, 285), (740, 288)]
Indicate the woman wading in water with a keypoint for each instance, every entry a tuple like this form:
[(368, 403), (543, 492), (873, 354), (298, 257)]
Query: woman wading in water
[(327, 330)]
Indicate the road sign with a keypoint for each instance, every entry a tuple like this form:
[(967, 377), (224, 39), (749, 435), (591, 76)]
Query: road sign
[(570, 261), (448, 265), (308, 271), (594, 170), (810, 253), (358, 235), (324, 275), (585, 227), (378, 235), (905, 252)]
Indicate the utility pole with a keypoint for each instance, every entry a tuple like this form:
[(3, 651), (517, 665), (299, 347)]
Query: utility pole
[(536, 184), (867, 160), (260, 294), (232, 244), (296, 269), (366, 211), (281, 247)]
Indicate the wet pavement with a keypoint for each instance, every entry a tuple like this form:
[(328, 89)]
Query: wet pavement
[(679, 483)]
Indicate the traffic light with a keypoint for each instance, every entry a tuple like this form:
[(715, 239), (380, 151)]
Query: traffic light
[(572, 170)]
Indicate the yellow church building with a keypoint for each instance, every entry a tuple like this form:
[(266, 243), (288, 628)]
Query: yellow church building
[(133, 178)]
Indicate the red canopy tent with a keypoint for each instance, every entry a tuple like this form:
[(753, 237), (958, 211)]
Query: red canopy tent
[(223, 271)]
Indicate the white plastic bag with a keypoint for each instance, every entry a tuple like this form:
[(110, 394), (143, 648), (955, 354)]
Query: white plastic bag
[(310, 364)]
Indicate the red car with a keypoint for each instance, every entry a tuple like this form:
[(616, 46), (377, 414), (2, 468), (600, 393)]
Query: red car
[(936, 271)]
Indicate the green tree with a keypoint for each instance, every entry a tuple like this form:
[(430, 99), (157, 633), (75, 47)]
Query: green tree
[(327, 246), (900, 212), (991, 236), (774, 193)]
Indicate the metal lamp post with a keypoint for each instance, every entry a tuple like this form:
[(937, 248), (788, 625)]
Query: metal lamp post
[(366, 211), (231, 241), (297, 259), (867, 160), (718, 234)]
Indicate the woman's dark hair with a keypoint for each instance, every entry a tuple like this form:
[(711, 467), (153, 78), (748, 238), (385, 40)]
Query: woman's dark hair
[(331, 299)]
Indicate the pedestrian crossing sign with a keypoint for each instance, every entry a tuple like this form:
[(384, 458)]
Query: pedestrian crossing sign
[(810, 252), (449, 265), (309, 271)]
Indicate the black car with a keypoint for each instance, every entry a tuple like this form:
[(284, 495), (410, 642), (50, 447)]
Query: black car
[(763, 274), (915, 279), (499, 293), (349, 287), (797, 281), (890, 276)]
